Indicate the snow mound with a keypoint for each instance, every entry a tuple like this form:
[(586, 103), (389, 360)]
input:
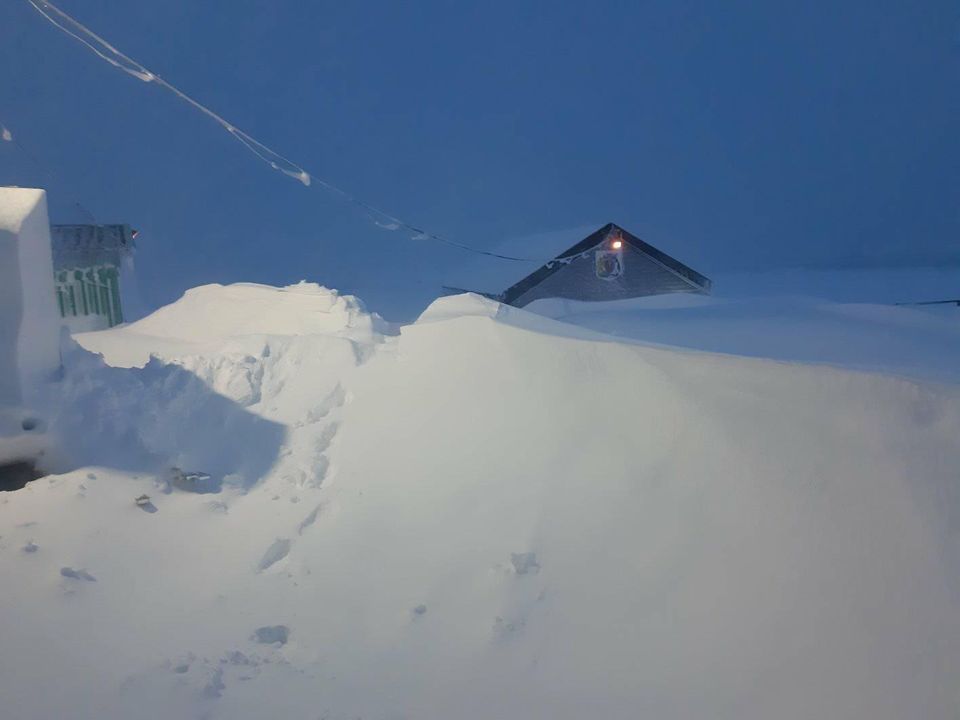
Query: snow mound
[(457, 306), (207, 317), (222, 311)]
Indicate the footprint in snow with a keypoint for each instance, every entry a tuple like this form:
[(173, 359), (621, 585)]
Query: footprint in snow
[(69, 572), (504, 628), (274, 554), (309, 520), (145, 503), (525, 563), (271, 635)]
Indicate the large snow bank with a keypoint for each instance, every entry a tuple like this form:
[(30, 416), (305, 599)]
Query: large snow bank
[(29, 322), (499, 515)]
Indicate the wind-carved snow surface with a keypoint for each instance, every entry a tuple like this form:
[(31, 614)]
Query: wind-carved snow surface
[(490, 514), (914, 341)]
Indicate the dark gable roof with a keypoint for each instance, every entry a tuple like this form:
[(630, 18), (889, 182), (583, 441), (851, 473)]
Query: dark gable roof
[(85, 245), (690, 276)]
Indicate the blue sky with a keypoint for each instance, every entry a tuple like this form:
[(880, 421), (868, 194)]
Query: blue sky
[(736, 134)]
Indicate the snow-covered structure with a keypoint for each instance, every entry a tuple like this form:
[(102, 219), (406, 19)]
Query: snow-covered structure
[(29, 325), (609, 264), (89, 261)]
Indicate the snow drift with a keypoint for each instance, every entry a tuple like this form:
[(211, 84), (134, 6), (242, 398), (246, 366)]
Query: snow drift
[(915, 341), (494, 514)]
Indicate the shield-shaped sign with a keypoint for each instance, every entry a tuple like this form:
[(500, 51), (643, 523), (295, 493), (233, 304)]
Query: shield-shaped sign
[(609, 264)]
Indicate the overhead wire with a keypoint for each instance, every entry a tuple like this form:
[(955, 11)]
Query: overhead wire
[(7, 135), (110, 54)]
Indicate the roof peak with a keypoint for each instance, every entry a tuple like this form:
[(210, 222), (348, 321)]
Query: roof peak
[(697, 282)]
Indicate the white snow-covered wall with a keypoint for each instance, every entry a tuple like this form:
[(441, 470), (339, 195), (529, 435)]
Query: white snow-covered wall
[(29, 320)]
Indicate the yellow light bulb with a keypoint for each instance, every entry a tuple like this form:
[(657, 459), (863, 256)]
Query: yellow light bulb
[(616, 244)]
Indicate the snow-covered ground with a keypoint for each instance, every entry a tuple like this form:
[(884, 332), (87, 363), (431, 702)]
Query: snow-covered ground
[(491, 513), (913, 341)]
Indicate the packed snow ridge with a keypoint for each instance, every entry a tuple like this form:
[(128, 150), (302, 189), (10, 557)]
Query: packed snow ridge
[(487, 513)]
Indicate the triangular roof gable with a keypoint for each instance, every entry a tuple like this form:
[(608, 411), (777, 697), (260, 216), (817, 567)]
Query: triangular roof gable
[(690, 276)]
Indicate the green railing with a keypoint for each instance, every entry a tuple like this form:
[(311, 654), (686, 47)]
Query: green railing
[(90, 292)]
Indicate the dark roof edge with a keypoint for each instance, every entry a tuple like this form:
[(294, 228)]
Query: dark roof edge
[(548, 269), (698, 281), (689, 275)]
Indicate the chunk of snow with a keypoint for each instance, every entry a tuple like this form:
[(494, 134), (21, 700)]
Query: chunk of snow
[(272, 634), (196, 482), (524, 563)]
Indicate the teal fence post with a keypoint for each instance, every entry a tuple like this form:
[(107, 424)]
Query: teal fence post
[(94, 293), (104, 295), (115, 292), (78, 275)]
